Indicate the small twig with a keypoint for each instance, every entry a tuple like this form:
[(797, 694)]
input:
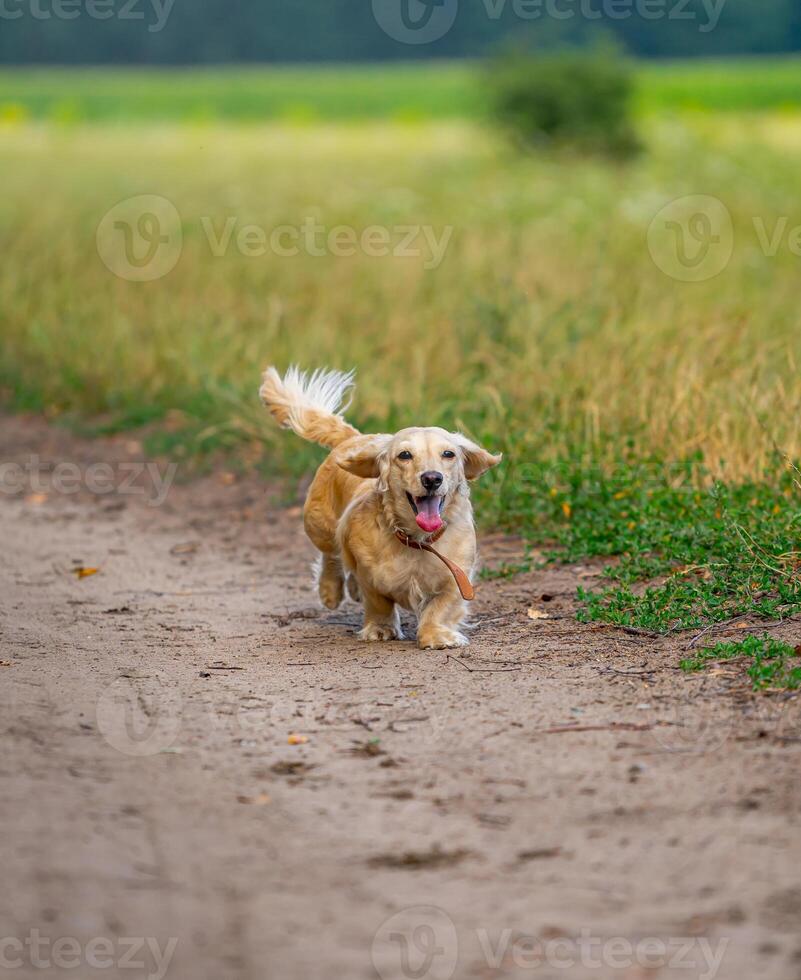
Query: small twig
[(727, 622), (636, 631), (400, 721), (502, 663), (615, 726), (481, 670), (633, 630), (710, 628), (496, 619), (188, 593)]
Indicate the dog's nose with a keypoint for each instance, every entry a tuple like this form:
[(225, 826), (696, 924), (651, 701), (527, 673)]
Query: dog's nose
[(431, 480)]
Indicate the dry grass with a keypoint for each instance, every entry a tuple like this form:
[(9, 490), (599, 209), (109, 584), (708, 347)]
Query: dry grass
[(547, 324)]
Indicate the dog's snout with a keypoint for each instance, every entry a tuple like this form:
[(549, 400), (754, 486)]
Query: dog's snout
[(431, 480)]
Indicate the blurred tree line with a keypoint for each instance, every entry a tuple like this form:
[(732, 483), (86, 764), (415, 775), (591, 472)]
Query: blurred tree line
[(220, 31)]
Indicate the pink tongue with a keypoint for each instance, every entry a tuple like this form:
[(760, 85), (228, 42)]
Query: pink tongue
[(428, 518)]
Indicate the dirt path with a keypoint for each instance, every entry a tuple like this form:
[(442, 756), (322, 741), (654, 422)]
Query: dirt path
[(438, 821)]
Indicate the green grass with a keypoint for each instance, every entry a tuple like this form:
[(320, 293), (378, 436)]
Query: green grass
[(772, 664), (708, 552), (300, 95), (404, 92), (722, 85)]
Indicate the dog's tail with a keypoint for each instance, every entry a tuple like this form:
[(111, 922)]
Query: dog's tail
[(309, 404)]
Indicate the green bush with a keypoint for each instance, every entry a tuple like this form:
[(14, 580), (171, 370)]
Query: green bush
[(579, 99)]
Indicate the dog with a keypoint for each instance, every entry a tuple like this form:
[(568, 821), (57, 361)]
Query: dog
[(377, 507)]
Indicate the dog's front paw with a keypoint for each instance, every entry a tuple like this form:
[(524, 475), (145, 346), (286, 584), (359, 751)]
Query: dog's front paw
[(441, 638), (380, 631), (331, 588)]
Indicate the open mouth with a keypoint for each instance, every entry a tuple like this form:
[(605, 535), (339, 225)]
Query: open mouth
[(427, 511)]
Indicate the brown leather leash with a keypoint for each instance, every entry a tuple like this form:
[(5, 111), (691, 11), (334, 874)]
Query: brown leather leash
[(463, 583)]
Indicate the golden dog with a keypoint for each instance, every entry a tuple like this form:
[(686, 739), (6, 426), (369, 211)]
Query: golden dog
[(378, 504)]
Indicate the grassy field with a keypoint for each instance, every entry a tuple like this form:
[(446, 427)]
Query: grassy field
[(643, 417), (402, 92), (299, 95)]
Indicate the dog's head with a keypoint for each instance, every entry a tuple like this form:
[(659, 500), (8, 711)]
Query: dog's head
[(420, 470)]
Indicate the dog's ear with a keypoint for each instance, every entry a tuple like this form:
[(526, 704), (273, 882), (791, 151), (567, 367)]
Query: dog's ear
[(364, 455), (476, 460)]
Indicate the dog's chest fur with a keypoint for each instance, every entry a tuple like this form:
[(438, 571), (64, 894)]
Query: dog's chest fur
[(407, 576), (410, 577)]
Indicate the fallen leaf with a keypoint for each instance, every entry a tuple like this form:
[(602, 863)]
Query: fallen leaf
[(537, 614), (261, 800), (298, 739), (83, 572), (742, 625), (797, 650)]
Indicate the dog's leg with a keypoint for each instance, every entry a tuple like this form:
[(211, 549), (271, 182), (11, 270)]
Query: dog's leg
[(330, 581), (352, 586), (438, 628), (381, 618)]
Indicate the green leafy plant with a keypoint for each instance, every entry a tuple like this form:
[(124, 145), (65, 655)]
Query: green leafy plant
[(774, 664)]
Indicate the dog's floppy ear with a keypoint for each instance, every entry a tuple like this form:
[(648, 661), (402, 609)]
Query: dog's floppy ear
[(364, 455), (476, 459)]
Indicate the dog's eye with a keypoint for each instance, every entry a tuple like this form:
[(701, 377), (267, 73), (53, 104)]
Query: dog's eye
[(449, 454), (405, 454)]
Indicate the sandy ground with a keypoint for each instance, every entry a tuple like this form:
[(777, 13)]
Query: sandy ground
[(558, 800)]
